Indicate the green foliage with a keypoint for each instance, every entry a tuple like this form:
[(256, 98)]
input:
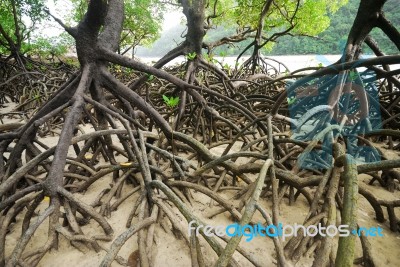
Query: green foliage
[(171, 102), (311, 17), (50, 47), (150, 77), (18, 18), (191, 56), (291, 100), (333, 39), (143, 18), (142, 22), (227, 68), (223, 54), (353, 75), (209, 58)]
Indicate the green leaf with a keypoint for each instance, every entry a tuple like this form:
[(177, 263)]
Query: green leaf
[(353, 76), (291, 100), (174, 101), (166, 99), (191, 56), (171, 102)]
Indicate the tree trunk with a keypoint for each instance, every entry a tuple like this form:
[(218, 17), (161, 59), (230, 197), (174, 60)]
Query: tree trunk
[(368, 16)]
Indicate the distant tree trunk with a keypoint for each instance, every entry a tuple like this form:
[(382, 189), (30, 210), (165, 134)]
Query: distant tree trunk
[(194, 12), (256, 61), (258, 42), (13, 44), (369, 16), (13, 47)]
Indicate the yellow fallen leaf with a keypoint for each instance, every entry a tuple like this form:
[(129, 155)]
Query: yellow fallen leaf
[(46, 198), (126, 164)]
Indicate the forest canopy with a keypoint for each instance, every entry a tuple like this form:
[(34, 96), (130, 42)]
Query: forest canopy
[(330, 41), (26, 26)]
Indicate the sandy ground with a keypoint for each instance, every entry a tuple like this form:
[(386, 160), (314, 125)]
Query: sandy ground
[(169, 250)]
